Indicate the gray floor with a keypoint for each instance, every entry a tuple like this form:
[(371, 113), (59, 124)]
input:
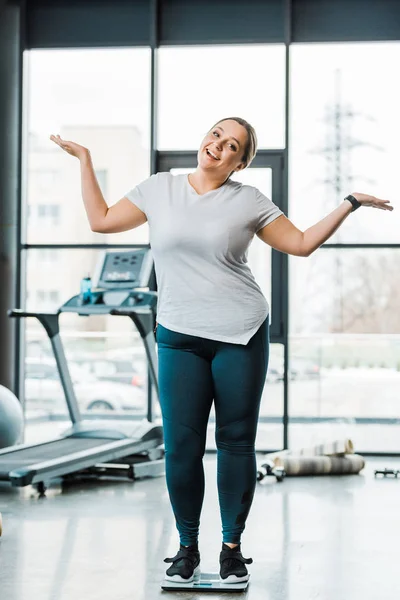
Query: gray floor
[(330, 538)]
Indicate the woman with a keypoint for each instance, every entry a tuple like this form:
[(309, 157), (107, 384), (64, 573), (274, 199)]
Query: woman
[(213, 323)]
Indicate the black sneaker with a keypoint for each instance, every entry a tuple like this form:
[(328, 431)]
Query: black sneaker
[(185, 565), (233, 565)]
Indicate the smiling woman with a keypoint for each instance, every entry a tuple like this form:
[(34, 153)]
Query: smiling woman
[(213, 319), (250, 149), (232, 143)]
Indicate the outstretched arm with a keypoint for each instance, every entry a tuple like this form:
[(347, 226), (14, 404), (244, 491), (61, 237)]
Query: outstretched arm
[(282, 235), (122, 216)]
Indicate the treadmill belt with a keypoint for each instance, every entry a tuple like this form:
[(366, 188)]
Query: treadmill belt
[(46, 451)]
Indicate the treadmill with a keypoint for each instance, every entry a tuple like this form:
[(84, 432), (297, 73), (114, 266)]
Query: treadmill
[(96, 447)]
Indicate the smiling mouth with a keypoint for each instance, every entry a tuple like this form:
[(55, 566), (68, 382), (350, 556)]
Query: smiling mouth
[(210, 153)]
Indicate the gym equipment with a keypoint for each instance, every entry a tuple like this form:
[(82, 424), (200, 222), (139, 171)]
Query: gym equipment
[(335, 448), (94, 447), (330, 458), (386, 472), (321, 465), (207, 582), (268, 469), (11, 418)]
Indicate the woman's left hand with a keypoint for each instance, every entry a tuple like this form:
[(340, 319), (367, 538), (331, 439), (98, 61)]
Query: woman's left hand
[(367, 200)]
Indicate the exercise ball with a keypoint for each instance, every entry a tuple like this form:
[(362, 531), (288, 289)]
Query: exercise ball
[(11, 418)]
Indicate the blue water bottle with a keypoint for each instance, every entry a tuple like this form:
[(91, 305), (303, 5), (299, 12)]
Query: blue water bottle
[(86, 290)]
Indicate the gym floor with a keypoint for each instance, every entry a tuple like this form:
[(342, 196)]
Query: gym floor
[(325, 538)]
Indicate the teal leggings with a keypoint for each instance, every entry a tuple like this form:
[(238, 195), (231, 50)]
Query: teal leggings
[(193, 372)]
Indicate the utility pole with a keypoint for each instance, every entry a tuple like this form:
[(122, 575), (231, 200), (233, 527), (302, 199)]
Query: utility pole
[(337, 151)]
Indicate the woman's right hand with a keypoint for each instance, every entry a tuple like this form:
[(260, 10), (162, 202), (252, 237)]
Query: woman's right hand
[(70, 147)]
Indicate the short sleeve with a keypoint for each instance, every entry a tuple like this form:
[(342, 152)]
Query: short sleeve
[(267, 210), (144, 192)]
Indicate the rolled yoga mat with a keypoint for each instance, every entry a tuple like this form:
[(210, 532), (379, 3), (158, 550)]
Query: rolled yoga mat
[(320, 465), (335, 448)]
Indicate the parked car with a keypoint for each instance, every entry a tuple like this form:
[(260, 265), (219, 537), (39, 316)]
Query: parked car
[(299, 369), (303, 368), (116, 370), (43, 387), (274, 374)]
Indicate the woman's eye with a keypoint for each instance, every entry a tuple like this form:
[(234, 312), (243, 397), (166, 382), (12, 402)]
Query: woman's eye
[(233, 147), (215, 133)]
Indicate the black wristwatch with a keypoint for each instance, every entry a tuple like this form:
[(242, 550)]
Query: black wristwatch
[(355, 203)]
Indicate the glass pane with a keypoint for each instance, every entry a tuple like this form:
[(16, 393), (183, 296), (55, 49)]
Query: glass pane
[(344, 349), (101, 100), (345, 291), (105, 353), (270, 427), (200, 85), (344, 133)]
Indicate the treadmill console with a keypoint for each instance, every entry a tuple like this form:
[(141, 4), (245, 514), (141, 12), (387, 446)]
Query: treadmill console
[(119, 282), (124, 270)]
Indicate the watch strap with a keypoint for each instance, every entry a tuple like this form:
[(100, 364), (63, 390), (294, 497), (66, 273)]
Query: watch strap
[(354, 202)]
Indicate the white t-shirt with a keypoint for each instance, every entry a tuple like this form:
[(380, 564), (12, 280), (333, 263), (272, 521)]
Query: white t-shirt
[(200, 244)]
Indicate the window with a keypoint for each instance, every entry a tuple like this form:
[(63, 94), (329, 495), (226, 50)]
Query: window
[(44, 180), (50, 213), (101, 175), (346, 291), (89, 342), (344, 360), (48, 256), (344, 133), (198, 85), (54, 297), (47, 298), (75, 93)]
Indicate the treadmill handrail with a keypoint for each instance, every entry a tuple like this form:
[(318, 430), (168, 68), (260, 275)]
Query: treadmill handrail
[(50, 322), (19, 312), (127, 312)]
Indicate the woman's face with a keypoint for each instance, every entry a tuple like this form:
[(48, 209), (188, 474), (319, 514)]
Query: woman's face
[(222, 149)]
